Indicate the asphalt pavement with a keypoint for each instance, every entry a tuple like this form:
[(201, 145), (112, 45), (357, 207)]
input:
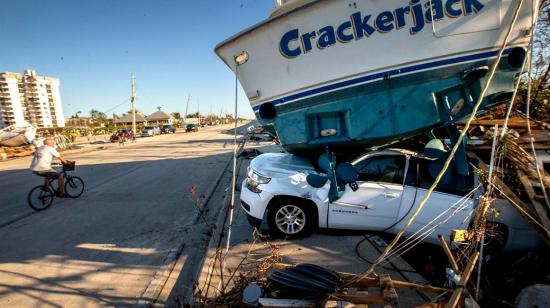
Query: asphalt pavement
[(104, 248)]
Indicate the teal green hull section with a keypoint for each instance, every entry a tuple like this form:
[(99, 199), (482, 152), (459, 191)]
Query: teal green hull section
[(388, 110)]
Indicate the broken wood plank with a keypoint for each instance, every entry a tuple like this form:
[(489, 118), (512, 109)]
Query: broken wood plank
[(525, 161), (365, 299), (514, 200), (523, 146), (539, 208), (388, 291), (455, 298), (449, 253), (339, 304), (433, 305), (512, 123), (535, 139), (281, 302)]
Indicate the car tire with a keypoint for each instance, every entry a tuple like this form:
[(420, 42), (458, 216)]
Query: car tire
[(290, 218)]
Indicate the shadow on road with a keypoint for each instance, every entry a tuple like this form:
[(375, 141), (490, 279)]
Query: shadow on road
[(105, 246)]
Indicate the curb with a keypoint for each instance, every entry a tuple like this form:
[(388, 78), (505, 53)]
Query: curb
[(220, 225), (151, 295), (210, 192), (215, 240)]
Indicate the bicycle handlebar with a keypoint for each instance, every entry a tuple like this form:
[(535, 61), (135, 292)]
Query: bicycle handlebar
[(69, 166)]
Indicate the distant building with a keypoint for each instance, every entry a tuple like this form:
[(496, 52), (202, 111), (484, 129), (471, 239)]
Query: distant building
[(31, 98), (160, 117), (127, 119)]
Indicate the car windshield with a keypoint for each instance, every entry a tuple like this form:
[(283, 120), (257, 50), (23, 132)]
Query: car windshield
[(149, 127)]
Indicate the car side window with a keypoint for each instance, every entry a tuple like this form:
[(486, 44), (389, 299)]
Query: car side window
[(412, 172), (459, 185), (382, 168)]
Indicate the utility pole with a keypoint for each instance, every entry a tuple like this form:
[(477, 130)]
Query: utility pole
[(134, 104), (199, 111), (210, 114), (186, 107)]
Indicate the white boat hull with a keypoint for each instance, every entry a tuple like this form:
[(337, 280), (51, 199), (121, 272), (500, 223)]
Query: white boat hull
[(271, 74), (13, 137)]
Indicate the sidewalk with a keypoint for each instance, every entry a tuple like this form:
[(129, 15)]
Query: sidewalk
[(328, 248)]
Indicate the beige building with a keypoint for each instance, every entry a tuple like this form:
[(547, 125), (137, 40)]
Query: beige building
[(127, 119), (160, 117), (30, 98)]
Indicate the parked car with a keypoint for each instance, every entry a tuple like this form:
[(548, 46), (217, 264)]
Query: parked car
[(126, 132), (150, 131), (191, 128), (389, 186), (167, 128)]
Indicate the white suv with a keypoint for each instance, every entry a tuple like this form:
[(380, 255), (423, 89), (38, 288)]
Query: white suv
[(390, 185)]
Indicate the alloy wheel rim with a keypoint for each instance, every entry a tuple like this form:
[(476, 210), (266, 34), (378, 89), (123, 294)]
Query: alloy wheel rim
[(290, 219)]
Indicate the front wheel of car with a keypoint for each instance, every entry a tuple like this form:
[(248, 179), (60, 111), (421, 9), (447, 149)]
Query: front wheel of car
[(290, 218)]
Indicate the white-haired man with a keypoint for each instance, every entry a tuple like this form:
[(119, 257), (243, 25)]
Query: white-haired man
[(42, 164)]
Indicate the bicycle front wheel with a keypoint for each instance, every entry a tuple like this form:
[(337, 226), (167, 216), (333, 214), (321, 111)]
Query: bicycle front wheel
[(40, 198), (74, 186)]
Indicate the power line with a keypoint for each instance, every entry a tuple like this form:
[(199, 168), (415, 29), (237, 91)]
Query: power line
[(115, 107)]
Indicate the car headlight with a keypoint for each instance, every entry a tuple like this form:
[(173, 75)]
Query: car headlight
[(255, 177)]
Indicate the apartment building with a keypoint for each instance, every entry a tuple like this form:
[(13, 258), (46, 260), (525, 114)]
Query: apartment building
[(30, 98)]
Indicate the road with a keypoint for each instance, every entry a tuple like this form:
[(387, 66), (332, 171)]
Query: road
[(104, 248)]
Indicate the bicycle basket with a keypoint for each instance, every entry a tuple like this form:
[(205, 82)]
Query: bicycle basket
[(69, 166)]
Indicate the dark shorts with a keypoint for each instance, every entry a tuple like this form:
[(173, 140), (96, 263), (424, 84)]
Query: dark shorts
[(47, 174)]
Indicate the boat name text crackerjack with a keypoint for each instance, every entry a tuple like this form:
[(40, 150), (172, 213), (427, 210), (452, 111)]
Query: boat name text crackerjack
[(293, 43)]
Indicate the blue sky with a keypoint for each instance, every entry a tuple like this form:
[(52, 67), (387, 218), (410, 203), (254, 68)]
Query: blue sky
[(94, 46)]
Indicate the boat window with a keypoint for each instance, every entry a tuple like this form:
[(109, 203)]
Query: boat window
[(383, 168)]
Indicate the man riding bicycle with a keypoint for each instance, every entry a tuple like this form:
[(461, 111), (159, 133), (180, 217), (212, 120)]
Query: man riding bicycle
[(41, 164)]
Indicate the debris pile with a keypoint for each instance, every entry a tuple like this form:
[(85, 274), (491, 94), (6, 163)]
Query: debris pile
[(19, 151), (310, 285), (482, 130), (253, 268), (62, 143), (518, 173)]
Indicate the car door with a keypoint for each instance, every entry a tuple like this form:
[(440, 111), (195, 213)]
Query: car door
[(375, 205), (449, 207)]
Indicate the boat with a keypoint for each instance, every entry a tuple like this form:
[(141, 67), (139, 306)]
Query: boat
[(365, 73), (13, 136)]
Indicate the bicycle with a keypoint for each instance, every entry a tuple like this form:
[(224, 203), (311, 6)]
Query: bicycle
[(41, 196)]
